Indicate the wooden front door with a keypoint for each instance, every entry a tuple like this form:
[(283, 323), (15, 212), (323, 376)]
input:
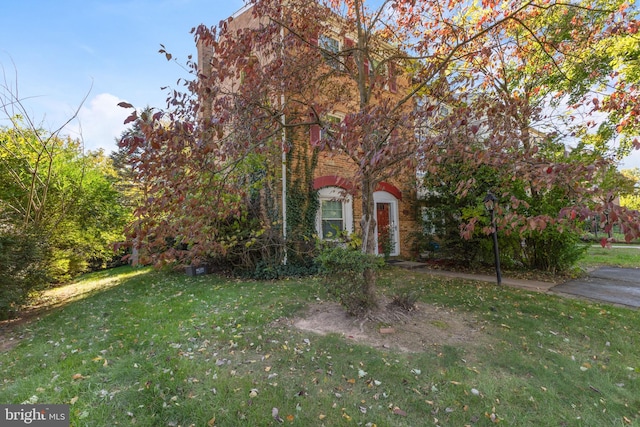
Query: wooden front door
[(383, 218)]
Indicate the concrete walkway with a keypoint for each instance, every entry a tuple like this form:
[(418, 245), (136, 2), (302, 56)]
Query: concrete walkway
[(612, 285), (532, 285)]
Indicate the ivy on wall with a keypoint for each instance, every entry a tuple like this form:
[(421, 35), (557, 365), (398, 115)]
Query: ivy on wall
[(302, 201)]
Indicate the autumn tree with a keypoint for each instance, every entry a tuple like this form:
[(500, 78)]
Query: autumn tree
[(527, 122), (402, 71)]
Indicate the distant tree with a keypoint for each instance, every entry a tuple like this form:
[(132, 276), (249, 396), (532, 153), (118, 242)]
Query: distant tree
[(630, 197), (59, 210)]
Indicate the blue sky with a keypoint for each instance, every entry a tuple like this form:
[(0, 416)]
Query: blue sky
[(57, 51)]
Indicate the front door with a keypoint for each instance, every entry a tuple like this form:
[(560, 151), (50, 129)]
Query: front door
[(383, 217)]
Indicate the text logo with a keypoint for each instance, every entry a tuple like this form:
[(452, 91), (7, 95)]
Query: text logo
[(34, 415)]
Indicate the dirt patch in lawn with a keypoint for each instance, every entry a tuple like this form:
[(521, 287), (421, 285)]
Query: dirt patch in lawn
[(425, 327)]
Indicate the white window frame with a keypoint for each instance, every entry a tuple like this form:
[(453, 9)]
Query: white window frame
[(326, 43), (336, 119), (385, 197), (383, 69), (335, 194)]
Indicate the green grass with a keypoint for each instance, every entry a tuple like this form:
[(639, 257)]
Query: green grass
[(618, 256), (155, 349)]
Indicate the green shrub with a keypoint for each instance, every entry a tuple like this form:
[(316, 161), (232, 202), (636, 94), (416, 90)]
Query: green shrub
[(350, 275), (23, 259)]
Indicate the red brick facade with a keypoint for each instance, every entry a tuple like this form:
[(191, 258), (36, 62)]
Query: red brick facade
[(335, 171)]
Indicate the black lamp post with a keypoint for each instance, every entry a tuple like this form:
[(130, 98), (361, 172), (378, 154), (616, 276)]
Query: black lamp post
[(490, 203)]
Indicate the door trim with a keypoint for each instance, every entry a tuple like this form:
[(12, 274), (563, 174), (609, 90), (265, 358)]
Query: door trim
[(386, 197)]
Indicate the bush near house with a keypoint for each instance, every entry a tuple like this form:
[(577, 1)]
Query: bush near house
[(345, 273)]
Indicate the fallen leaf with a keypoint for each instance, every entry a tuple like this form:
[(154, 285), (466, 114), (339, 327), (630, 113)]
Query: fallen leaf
[(398, 411), (276, 416), (290, 418), (212, 422), (73, 400)]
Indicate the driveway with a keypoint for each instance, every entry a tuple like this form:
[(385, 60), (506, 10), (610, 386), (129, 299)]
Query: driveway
[(607, 284)]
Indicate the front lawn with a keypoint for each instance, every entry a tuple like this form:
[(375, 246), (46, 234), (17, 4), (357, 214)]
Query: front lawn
[(620, 255), (157, 349)]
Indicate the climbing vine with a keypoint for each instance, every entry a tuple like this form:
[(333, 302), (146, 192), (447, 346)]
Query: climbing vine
[(302, 202)]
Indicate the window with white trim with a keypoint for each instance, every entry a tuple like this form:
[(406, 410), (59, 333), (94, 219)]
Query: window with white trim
[(330, 128), (331, 51), (335, 213)]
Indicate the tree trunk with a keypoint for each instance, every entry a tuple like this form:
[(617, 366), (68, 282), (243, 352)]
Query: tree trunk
[(368, 226)]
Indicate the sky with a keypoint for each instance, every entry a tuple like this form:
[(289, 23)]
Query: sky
[(54, 53)]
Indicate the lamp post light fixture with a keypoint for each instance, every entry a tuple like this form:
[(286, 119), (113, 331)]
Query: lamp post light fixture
[(490, 204)]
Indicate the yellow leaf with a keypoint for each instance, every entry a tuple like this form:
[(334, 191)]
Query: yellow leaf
[(267, 369), (290, 418), (73, 400), (351, 381), (78, 377), (212, 422), (105, 363), (322, 416)]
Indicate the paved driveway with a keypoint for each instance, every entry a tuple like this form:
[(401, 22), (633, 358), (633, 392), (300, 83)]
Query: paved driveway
[(607, 284)]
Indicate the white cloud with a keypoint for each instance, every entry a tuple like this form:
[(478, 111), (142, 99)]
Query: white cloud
[(100, 122)]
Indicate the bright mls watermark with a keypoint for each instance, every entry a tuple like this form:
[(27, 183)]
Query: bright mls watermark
[(34, 415)]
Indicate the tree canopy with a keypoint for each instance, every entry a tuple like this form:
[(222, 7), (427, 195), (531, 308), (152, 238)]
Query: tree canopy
[(423, 84)]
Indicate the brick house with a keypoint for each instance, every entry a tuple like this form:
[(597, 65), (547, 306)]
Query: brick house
[(339, 198)]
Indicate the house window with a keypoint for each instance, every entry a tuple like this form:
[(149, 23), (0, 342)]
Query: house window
[(382, 71), (329, 130), (331, 51), (335, 212), (332, 218)]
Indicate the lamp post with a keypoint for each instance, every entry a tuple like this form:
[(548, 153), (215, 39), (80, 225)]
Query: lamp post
[(490, 203)]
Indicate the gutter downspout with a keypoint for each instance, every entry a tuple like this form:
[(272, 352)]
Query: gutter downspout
[(284, 162)]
